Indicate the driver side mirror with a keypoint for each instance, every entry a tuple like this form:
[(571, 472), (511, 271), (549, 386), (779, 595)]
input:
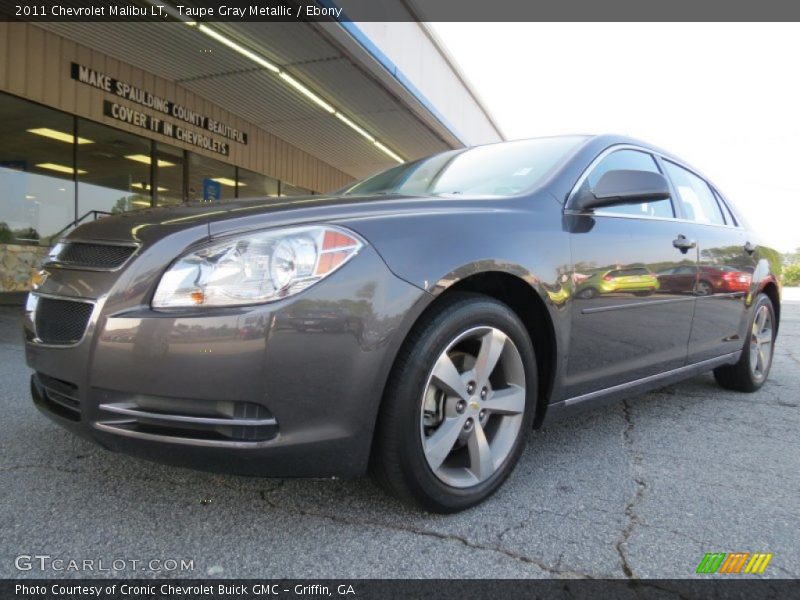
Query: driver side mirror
[(623, 187)]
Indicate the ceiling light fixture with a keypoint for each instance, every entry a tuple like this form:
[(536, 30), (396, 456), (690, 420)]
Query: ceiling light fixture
[(227, 181), (294, 83), (143, 158), (61, 136), (383, 148), (360, 130), (236, 47), (307, 92), (61, 168), (146, 187)]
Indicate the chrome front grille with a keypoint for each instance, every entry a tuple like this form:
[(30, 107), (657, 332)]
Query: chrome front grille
[(91, 255), (195, 421), (61, 322)]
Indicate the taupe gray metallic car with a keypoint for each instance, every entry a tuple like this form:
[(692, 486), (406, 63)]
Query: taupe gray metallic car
[(416, 324)]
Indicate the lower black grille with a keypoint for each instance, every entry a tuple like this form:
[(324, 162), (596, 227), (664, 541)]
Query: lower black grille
[(61, 322), (60, 397), (96, 256)]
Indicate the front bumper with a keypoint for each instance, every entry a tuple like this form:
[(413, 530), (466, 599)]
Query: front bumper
[(232, 389)]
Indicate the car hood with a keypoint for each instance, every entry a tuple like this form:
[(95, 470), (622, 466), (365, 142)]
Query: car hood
[(215, 219)]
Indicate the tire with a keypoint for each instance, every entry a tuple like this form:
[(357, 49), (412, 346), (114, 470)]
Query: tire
[(417, 405), (703, 288), (752, 369), (588, 293)]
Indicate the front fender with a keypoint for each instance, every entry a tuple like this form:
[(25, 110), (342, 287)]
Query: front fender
[(434, 250)]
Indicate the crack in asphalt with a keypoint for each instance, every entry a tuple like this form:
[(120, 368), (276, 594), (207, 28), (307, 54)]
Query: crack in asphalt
[(791, 355), (266, 496), (638, 496)]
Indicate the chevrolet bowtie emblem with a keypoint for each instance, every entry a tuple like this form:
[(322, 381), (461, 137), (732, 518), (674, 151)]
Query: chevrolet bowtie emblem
[(473, 405)]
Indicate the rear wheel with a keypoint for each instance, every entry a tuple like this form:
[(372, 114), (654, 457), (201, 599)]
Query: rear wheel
[(750, 373), (703, 288), (458, 405)]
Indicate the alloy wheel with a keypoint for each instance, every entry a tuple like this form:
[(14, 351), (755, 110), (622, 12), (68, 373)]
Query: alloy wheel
[(473, 407), (703, 288), (761, 343)]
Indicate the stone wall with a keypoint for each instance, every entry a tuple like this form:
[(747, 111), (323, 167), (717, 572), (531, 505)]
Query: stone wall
[(18, 265)]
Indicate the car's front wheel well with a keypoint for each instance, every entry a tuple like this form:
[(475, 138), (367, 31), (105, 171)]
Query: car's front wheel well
[(531, 309), (771, 290)]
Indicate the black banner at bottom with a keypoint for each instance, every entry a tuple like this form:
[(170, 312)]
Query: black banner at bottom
[(504, 589)]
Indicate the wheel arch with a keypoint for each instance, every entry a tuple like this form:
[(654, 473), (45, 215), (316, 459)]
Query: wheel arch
[(528, 304), (770, 288), (532, 310)]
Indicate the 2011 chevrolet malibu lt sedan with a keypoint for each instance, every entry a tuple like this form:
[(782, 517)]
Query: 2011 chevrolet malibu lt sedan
[(416, 324)]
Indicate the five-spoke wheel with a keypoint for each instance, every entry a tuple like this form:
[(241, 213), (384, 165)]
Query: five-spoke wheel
[(761, 336), (472, 406), (751, 371), (458, 405)]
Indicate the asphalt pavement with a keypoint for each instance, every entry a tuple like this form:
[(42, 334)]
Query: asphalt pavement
[(641, 489)]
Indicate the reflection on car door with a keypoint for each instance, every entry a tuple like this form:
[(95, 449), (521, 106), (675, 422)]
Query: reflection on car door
[(681, 279), (725, 270), (628, 329)]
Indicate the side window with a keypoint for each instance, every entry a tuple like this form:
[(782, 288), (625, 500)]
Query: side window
[(695, 195), (630, 160), (729, 218)]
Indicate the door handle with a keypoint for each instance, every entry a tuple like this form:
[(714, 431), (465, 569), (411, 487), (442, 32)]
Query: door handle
[(683, 244), (750, 248)]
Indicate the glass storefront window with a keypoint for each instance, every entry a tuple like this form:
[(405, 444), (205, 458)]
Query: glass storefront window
[(113, 170), (202, 168), (253, 185), (170, 175), (37, 192), (43, 165)]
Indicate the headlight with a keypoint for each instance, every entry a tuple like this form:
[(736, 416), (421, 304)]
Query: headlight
[(255, 268)]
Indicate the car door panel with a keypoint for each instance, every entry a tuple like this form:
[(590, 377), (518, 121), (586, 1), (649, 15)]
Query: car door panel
[(719, 315), (626, 333), (725, 267)]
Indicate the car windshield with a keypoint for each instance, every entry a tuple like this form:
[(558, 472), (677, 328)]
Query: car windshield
[(495, 170)]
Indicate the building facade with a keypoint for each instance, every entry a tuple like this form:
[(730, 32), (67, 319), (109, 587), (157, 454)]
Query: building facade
[(103, 118)]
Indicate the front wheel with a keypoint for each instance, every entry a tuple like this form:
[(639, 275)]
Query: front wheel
[(750, 373), (458, 406)]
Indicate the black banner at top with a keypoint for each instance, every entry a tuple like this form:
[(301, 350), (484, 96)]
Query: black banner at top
[(398, 10)]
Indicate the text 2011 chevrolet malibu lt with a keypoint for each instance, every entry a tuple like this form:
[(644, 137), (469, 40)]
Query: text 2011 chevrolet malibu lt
[(418, 324)]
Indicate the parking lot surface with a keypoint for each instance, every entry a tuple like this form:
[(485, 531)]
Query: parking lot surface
[(640, 489)]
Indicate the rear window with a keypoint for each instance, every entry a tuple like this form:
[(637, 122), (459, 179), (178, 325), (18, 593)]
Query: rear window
[(699, 203), (726, 212)]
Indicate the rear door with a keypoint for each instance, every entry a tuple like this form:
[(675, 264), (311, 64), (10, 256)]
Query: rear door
[(623, 326), (725, 271)]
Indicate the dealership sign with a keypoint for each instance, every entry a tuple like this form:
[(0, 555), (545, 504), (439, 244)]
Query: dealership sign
[(164, 106), (137, 118)]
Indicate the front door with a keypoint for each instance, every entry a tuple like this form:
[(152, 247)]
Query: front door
[(624, 326)]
